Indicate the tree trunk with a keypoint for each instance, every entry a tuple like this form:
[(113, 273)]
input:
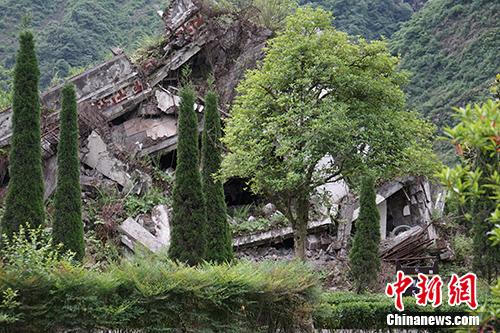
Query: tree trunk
[(300, 227)]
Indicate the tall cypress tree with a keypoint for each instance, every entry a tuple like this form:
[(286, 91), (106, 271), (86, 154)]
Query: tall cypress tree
[(364, 258), (219, 246), (24, 202), (68, 224), (188, 237)]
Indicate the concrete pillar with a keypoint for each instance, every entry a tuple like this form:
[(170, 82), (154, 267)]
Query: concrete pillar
[(382, 210)]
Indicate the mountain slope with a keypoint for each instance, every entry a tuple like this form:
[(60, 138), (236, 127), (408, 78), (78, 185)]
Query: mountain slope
[(76, 33), (368, 18), (451, 47)]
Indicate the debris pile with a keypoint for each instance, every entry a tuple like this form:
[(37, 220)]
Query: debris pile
[(154, 235), (411, 245)]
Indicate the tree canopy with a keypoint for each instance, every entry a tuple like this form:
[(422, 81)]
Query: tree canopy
[(322, 95)]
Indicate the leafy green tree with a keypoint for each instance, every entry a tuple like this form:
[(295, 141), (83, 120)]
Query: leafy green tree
[(219, 245), (475, 183), (189, 219), (322, 107), (364, 259), (68, 225), (24, 202)]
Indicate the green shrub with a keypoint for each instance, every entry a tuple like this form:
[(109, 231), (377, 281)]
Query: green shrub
[(156, 295), (219, 244), (462, 245), (267, 13), (189, 216), (364, 258), (100, 253), (341, 310), (31, 252)]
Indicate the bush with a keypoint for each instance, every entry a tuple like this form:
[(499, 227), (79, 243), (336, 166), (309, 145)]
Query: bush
[(31, 252), (154, 294), (219, 244), (462, 245), (339, 310), (189, 216), (135, 204)]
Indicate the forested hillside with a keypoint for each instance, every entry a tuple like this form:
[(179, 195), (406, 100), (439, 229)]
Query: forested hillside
[(76, 33), (369, 18), (451, 48)]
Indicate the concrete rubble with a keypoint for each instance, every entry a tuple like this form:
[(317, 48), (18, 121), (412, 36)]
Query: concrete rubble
[(133, 232), (151, 231), (405, 206)]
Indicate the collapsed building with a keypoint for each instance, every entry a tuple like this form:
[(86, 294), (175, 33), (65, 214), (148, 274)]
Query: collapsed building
[(128, 110), (131, 107)]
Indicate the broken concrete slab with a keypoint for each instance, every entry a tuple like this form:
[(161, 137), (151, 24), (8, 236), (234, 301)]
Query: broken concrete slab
[(49, 176), (167, 102), (164, 146), (136, 233), (107, 85), (161, 220), (142, 182), (137, 134), (313, 242), (276, 236), (101, 159)]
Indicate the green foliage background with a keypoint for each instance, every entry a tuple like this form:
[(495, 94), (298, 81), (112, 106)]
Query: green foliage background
[(78, 32), (451, 47), (368, 18)]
